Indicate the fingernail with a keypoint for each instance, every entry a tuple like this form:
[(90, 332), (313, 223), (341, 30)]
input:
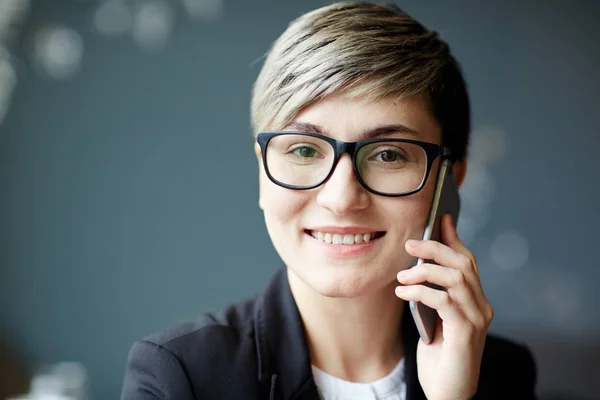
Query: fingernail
[(401, 291), (413, 243), (403, 273)]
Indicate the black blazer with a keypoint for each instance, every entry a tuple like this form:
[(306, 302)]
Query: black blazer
[(257, 350)]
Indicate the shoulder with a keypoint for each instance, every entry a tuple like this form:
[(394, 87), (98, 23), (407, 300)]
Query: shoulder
[(227, 326), (501, 353), (507, 367), (190, 355)]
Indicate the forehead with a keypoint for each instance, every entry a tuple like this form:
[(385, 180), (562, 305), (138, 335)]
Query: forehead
[(348, 119)]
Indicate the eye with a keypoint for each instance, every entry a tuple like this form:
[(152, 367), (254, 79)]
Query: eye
[(305, 152), (388, 156)]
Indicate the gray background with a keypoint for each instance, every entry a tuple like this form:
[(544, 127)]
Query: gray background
[(128, 192)]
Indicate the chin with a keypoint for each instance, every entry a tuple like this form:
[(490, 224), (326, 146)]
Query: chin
[(344, 282)]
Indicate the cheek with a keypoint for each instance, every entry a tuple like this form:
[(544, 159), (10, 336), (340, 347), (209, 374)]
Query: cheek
[(280, 206), (411, 211)]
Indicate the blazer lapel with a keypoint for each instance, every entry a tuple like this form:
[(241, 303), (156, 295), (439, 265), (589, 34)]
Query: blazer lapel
[(281, 343)]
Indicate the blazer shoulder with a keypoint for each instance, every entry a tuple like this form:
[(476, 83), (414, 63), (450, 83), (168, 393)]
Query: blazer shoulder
[(194, 355), (210, 332), (504, 351), (507, 365), (153, 372)]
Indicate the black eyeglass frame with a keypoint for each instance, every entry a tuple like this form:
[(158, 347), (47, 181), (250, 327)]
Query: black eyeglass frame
[(432, 151)]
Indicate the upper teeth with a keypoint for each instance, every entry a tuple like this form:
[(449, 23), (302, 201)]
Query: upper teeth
[(336, 238)]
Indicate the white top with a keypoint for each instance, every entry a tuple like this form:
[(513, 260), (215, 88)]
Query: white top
[(390, 387)]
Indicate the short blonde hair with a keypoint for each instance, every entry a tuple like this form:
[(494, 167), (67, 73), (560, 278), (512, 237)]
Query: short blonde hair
[(360, 49)]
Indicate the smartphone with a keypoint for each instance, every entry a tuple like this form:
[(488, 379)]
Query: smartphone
[(446, 200)]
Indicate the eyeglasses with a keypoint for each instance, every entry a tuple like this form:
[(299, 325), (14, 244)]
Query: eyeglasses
[(386, 167)]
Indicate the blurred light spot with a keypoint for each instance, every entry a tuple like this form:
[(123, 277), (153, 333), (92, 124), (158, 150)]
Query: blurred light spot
[(470, 222), (488, 146), (204, 10), (73, 376), (113, 18), (510, 250), (65, 380), (4, 105), (14, 6), (58, 51), (153, 24), (561, 298), (478, 188), (8, 77), (467, 228), (8, 81), (10, 12)]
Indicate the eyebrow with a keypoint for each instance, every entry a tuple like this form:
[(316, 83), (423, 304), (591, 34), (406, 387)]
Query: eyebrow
[(365, 135)]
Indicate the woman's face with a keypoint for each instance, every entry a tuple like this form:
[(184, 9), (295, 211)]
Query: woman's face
[(342, 206)]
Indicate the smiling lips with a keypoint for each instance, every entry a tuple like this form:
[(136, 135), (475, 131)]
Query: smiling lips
[(345, 238)]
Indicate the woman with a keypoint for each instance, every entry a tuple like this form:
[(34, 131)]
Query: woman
[(333, 323)]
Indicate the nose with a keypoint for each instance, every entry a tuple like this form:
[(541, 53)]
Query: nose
[(342, 193)]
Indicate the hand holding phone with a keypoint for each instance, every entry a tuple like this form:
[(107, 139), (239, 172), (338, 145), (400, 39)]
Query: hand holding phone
[(448, 362), (445, 200)]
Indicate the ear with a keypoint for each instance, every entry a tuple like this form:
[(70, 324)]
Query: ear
[(459, 169), (258, 153)]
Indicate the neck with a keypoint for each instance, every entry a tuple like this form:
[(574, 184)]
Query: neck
[(356, 339)]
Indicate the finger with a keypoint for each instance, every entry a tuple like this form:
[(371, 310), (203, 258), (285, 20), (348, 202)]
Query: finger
[(447, 257), (475, 310), (457, 286), (458, 257), (440, 253), (437, 299), (451, 239), (432, 273)]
